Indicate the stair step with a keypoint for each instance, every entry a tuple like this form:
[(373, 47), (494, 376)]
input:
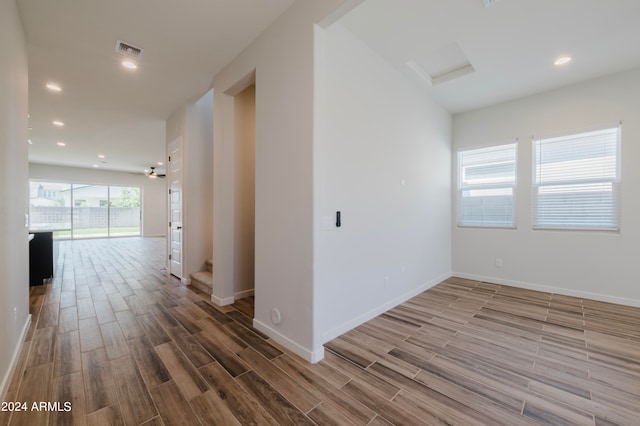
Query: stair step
[(209, 264), (203, 280)]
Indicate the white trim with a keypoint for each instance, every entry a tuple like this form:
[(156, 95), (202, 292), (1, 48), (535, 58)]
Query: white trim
[(14, 359), (222, 302), (551, 289), (353, 323), (185, 281), (243, 294), (308, 355)]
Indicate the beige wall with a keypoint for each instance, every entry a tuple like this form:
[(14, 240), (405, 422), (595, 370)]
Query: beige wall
[(193, 122), (14, 188), (282, 59), (245, 130), (595, 265)]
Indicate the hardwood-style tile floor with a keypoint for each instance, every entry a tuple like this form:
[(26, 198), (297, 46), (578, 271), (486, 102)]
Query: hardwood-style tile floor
[(126, 344)]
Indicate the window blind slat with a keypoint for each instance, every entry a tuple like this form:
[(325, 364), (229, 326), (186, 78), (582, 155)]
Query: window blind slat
[(576, 181), (486, 186)]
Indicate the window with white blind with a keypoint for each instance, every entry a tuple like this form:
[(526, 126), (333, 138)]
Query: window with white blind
[(576, 180), (486, 186)]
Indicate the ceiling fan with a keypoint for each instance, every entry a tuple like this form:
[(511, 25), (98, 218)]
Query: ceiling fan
[(153, 174)]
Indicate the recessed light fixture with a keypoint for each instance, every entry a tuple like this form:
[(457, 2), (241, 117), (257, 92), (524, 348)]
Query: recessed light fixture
[(562, 60), (160, 163), (30, 141), (54, 87), (60, 143), (100, 155), (58, 123), (96, 165), (129, 64)]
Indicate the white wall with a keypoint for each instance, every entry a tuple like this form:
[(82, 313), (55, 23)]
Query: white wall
[(382, 159), (194, 123), (598, 265), (14, 189), (154, 201), (282, 58)]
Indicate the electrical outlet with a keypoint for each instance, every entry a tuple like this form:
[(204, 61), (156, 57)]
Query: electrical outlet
[(498, 262)]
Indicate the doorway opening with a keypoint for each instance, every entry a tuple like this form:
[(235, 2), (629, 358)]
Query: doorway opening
[(244, 193)]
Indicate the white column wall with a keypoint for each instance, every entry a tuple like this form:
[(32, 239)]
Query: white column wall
[(382, 159)]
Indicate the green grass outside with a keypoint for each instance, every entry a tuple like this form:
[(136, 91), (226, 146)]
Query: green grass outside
[(97, 232)]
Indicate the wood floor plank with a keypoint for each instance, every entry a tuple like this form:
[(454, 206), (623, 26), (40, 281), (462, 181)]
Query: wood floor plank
[(67, 354), (211, 410), (152, 329), (245, 408), (99, 386), (107, 416), (280, 381), (90, 335), (114, 340), (129, 325), (173, 407), (336, 405), (193, 350), (252, 339), (183, 373), (68, 319), (69, 388), (114, 334), (36, 386), (149, 364), (43, 346), (228, 359), (135, 401), (213, 312), (272, 401)]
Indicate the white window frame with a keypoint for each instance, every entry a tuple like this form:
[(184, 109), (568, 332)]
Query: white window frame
[(563, 219), (463, 222)]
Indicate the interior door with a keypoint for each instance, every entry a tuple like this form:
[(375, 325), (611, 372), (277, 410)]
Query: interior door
[(175, 195), (174, 174)]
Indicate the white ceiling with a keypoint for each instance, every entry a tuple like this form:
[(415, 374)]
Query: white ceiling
[(511, 45), (119, 113), (108, 109)]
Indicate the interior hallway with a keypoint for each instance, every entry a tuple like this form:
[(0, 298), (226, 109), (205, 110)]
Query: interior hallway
[(126, 344)]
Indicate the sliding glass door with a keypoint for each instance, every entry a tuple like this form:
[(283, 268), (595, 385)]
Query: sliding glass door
[(124, 210), (90, 211), (84, 211)]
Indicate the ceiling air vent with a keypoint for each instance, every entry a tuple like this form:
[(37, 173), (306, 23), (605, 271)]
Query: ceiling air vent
[(129, 50), (488, 3)]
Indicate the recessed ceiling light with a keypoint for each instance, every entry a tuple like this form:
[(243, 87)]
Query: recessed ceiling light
[(58, 123), (95, 165), (160, 163), (61, 143), (54, 87), (30, 141), (100, 156), (562, 60), (129, 64)]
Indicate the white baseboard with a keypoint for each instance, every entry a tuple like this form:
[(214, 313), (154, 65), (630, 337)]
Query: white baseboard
[(4, 386), (551, 289), (360, 319), (185, 281), (222, 302), (243, 294), (231, 300), (306, 354)]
